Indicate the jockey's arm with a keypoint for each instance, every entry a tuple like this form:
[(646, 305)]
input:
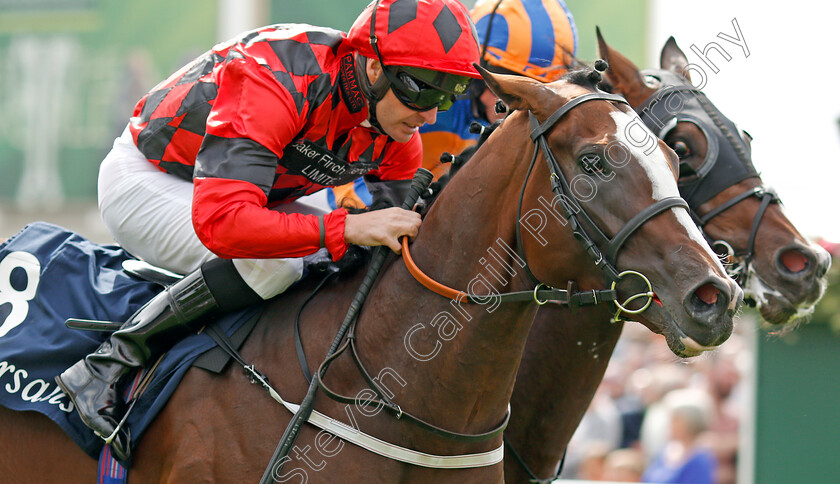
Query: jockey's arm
[(235, 171)]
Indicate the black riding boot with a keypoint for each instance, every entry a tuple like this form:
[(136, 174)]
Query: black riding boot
[(93, 383)]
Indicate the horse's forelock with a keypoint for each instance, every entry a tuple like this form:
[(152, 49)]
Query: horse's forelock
[(580, 77)]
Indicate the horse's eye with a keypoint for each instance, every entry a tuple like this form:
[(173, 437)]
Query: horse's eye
[(681, 149), (591, 164)]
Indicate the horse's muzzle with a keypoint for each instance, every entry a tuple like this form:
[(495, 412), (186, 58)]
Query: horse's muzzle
[(712, 306)]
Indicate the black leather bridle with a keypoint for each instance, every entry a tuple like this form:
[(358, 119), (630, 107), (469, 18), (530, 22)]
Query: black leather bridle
[(727, 160), (588, 233)]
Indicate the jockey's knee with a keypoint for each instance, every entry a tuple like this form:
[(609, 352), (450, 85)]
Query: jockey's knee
[(269, 277)]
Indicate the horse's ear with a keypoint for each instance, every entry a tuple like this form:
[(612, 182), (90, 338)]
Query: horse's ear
[(518, 92), (622, 75), (673, 59)]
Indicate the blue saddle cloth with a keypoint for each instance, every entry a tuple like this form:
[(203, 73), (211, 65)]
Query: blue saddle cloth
[(49, 274)]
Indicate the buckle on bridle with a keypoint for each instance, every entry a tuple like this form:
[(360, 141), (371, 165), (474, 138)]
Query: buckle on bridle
[(536, 298)]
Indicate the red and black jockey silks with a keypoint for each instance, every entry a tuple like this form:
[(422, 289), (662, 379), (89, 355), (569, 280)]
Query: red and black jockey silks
[(320, 165), (225, 122), (194, 125)]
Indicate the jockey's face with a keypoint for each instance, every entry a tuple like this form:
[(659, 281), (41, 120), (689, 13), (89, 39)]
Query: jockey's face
[(397, 120)]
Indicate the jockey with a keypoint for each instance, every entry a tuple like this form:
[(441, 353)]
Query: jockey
[(204, 179), (535, 38)]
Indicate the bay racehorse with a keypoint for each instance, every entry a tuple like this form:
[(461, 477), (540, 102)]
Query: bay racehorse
[(568, 352), (451, 363)]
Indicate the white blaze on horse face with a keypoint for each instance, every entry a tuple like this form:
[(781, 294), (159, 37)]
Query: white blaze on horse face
[(644, 146)]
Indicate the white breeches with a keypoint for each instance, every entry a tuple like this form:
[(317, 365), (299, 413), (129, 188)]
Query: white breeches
[(148, 212)]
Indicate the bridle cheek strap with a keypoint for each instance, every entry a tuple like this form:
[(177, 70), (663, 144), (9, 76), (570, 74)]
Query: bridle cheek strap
[(740, 271)]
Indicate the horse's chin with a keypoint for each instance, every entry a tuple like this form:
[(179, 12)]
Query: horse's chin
[(685, 346), (775, 308), (660, 321), (778, 312), (691, 348)]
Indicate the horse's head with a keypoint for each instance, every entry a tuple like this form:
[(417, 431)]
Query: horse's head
[(615, 190), (780, 270)]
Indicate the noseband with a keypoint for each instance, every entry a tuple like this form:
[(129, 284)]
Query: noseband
[(574, 213), (727, 160)]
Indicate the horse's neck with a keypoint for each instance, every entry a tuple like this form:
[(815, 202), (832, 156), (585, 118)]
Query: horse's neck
[(564, 362), (458, 356)]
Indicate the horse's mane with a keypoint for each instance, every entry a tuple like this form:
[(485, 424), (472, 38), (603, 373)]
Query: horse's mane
[(589, 77), (582, 77), (456, 164), (606, 86), (355, 258), (578, 70)]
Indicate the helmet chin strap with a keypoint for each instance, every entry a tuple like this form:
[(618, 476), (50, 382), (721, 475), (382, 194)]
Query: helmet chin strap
[(373, 92)]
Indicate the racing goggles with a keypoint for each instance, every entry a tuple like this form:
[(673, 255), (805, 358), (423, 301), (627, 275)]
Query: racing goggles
[(424, 89)]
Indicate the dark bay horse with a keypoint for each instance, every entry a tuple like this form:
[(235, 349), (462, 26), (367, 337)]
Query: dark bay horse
[(567, 353), (451, 363)]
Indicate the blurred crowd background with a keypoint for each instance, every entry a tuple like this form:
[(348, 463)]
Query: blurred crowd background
[(648, 400)]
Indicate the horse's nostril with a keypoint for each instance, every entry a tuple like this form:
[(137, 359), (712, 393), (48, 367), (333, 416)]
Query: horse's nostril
[(711, 308), (794, 261), (707, 293)]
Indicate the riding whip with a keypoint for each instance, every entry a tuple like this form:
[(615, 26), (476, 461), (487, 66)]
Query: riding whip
[(421, 181)]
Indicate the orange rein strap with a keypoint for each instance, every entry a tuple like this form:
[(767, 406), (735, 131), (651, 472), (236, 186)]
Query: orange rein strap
[(541, 294), (427, 281)]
